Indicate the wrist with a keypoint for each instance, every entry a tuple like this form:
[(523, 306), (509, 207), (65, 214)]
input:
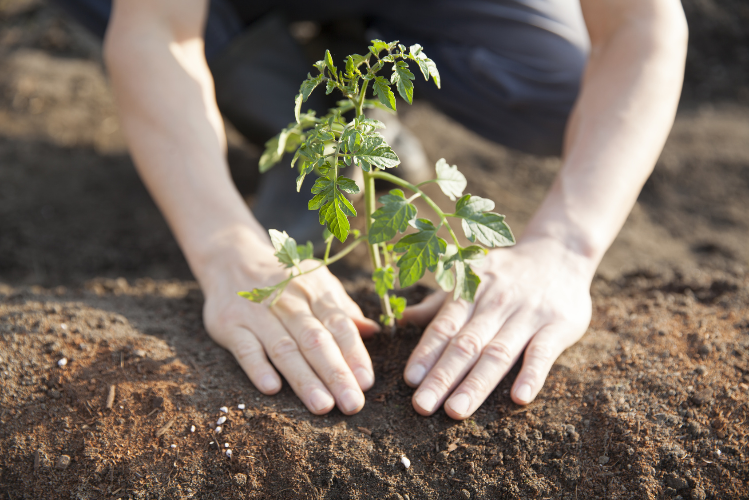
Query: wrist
[(236, 249), (568, 250)]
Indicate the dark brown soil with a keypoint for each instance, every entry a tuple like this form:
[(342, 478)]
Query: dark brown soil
[(652, 403)]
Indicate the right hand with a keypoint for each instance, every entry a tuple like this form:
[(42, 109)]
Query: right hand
[(312, 335)]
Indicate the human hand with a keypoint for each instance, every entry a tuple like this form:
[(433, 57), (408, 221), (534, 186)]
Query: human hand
[(534, 296), (312, 335)]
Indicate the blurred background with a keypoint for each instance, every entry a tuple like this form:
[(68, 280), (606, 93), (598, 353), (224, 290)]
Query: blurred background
[(72, 207)]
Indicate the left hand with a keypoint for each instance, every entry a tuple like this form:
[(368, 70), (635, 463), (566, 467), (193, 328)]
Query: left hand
[(534, 296)]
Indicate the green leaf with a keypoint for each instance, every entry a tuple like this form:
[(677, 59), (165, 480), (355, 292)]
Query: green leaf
[(377, 47), (384, 93), (451, 181), (443, 274), (402, 77), (304, 92), (259, 294), (480, 224), (286, 248), (422, 251), (347, 185), (373, 151), (333, 205), (398, 304), (426, 65), (305, 251), (393, 217), (473, 254), (297, 106), (384, 278), (467, 282), (335, 214), (329, 63)]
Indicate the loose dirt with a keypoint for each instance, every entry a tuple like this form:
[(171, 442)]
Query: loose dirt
[(652, 403)]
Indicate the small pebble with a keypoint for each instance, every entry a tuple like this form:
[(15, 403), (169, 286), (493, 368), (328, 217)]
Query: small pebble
[(221, 420), (453, 472), (405, 461), (465, 493), (226, 445), (173, 446), (604, 459), (63, 326), (241, 406), (63, 462), (218, 430), (192, 428), (229, 453), (224, 409), (62, 362), (140, 353), (701, 370)]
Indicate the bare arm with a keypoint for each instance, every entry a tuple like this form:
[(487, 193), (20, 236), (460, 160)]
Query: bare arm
[(165, 95), (164, 90), (535, 296), (618, 127)]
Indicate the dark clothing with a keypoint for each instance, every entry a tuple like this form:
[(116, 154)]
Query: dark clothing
[(510, 69)]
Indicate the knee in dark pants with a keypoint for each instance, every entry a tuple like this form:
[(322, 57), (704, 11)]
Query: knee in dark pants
[(511, 69)]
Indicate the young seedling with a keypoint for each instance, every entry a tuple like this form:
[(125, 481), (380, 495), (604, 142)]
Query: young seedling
[(328, 144)]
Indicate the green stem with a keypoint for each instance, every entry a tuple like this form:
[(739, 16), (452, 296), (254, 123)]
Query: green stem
[(369, 196), (400, 182)]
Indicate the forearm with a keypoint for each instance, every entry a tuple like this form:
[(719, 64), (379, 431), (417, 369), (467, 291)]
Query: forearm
[(616, 132), (165, 95)]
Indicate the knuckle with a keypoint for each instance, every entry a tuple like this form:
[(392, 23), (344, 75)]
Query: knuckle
[(247, 351), (502, 298), (469, 344), (477, 385), (499, 353), (338, 324), (539, 352), (337, 377), (313, 338), (440, 380), (444, 327), (283, 347)]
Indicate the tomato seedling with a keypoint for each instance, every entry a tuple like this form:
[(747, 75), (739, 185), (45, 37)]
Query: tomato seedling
[(328, 144)]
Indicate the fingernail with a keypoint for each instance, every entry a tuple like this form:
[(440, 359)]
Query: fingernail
[(524, 393), (364, 377), (351, 400), (319, 400), (426, 399), (460, 404), (268, 383), (415, 373)]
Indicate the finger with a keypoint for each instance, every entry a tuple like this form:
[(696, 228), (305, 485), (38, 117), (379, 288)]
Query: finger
[(249, 353), (459, 356), (286, 356), (497, 358), (538, 359), (421, 314), (321, 352), (347, 336), (435, 338), (366, 327)]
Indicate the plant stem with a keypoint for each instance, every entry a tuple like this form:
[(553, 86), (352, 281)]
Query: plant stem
[(369, 195), (400, 182)]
